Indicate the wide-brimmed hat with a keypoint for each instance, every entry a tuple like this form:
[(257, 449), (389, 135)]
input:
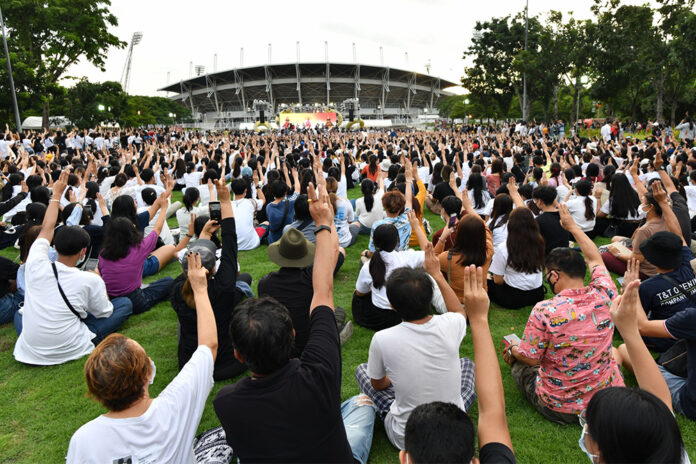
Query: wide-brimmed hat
[(663, 249), (385, 165), (292, 250), (206, 249)]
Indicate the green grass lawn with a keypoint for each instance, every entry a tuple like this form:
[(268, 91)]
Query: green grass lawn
[(41, 407)]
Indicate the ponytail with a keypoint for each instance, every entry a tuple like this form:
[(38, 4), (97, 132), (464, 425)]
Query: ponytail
[(589, 209), (368, 188), (584, 189), (378, 270)]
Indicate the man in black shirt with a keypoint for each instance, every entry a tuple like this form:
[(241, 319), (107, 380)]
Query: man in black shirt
[(290, 409), (520, 168), (549, 220), (292, 284), (441, 432)]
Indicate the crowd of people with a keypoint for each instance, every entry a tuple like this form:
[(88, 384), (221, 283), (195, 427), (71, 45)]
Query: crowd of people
[(521, 208)]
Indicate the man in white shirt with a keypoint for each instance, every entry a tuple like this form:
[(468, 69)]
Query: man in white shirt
[(605, 131), (66, 311), (137, 428), (417, 361), (244, 211), (6, 146)]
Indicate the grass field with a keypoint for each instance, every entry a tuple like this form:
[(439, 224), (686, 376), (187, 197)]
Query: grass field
[(41, 407)]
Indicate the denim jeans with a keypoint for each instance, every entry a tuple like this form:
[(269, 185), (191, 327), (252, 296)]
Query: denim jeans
[(144, 299), (675, 385), (358, 415), (9, 304), (102, 326)]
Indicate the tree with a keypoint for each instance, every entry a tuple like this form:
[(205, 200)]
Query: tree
[(49, 37), (88, 104)]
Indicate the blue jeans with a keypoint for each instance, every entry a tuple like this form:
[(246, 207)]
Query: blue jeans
[(358, 415), (9, 304), (675, 384), (145, 298), (102, 326), (352, 202)]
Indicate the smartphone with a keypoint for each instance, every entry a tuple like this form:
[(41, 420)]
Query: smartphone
[(452, 222), (87, 210), (215, 212), (91, 264), (509, 340)]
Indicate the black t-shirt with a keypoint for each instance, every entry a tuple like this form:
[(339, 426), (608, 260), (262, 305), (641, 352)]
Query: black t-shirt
[(519, 173), (550, 227), (661, 298), (442, 191), (294, 414), (683, 325), (496, 453), (293, 287)]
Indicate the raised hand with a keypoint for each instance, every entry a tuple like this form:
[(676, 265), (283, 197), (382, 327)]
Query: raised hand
[(431, 264), (320, 206), (197, 274), (624, 309), (475, 297)]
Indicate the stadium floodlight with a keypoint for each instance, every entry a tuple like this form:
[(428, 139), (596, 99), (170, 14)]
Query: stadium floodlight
[(200, 69), (125, 76)]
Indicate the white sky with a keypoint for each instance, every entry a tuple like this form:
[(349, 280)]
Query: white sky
[(178, 32)]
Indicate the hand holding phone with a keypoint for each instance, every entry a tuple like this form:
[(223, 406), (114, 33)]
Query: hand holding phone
[(215, 211)]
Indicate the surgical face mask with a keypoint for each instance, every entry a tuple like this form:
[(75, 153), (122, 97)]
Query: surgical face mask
[(581, 442), (154, 372), (81, 261)]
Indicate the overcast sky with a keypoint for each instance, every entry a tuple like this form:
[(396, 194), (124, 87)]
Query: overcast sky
[(176, 33)]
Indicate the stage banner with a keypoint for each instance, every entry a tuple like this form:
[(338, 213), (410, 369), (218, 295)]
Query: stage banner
[(304, 120)]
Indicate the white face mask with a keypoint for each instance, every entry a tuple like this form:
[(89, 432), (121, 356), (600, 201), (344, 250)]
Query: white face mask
[(154, 371)]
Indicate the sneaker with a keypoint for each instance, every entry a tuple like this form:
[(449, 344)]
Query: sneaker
[(346, 332)]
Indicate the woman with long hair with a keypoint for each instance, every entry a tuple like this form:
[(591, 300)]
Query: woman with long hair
[(500, 214), (518, 263), (191, 206), (494, 179), (368, 208), (555, 175), (473, 245), (622, 209), (372, 169), (371, 308), (478, 194), (126, 256), (583, 207)]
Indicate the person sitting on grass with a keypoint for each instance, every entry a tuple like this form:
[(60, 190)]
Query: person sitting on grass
[(417, 361), (222, 290), (565, 355), (127, 256), (292, 284), (441, 432), (66, 311), (637, 425), (396, 207), (118, 375), (290, 409)]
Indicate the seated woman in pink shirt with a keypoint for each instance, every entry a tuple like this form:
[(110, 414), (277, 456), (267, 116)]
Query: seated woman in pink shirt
[(126, 256)]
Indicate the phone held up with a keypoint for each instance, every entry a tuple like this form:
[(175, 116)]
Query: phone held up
[(215, 211)]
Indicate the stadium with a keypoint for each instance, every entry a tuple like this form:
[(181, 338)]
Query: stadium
[(381, 96)]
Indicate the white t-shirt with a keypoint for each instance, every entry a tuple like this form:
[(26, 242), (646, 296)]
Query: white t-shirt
[(158, 190), (691, 198), (606, 209), (183, 217), (500, 233), (165, 235), (343, 218), (244, 210), (51, 333), (392, 260), (422, 362), (576, 207), (164, 433), (192, 179), (367, 218), (515, 279), (487, 202)]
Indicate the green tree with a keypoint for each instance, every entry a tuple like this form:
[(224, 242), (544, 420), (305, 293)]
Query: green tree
[(49, 37), (88, 105)]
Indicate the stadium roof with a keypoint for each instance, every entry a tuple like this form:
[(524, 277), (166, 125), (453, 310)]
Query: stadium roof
[(307, 83)]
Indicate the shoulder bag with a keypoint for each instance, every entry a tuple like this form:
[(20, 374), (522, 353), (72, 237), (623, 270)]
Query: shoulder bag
[(62, 293)]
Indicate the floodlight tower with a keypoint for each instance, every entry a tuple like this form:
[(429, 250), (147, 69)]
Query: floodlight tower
[(125, 76)]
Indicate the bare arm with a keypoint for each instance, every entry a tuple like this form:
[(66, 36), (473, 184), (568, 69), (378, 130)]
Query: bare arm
[(492, 421), (432, 265), (587, 246), (322, 274), (51, 216)]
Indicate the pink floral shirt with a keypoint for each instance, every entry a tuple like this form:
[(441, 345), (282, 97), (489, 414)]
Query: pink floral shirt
[(571, 334)]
